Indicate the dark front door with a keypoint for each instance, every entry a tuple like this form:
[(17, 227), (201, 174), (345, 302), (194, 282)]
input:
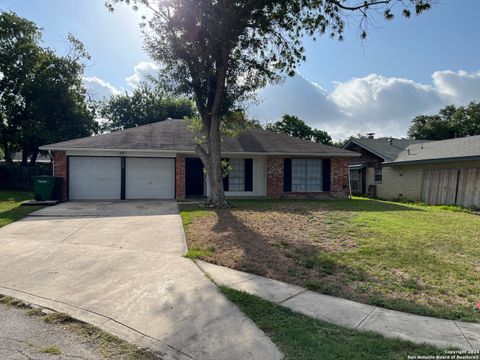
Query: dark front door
[(193, 177)]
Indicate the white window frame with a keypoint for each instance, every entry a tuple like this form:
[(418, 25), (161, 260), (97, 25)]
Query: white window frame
[(236, 175), (378, 171)]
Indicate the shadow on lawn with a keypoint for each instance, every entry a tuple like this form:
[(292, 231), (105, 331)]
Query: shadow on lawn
[(301, 262), (350, 205)]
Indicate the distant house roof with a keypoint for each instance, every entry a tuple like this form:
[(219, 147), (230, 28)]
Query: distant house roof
[(176, 136), (466, 148), (387, 149)]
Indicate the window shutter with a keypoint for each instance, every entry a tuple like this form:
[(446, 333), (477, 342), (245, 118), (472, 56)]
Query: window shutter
[(225, 180), (287, 175), (326, 171), (248, 174)]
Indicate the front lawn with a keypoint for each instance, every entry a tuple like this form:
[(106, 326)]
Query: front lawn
[(10, 209), (301, 337), (413, 258)]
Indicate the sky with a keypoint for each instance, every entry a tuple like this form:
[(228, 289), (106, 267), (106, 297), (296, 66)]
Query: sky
[(406, 67)]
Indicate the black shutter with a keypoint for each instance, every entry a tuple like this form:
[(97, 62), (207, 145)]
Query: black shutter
[(287, 175), (326, 174), (248, 174), (225, 180)]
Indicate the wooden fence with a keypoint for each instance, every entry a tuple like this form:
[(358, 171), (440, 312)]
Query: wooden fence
[(16, 177), (452, 187)]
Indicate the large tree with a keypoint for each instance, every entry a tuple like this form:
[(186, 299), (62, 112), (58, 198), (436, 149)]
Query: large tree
[(293, 126), (222, 51), (451, 122), (146, 104), (42, 99)]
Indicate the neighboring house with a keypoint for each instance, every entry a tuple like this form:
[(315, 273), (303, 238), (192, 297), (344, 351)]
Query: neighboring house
[(158, 161), (435, 172), (17, 158), (367, 169)]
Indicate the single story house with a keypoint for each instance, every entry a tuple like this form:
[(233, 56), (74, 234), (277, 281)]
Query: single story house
[(367, 169), (158, 161), (437, 172)]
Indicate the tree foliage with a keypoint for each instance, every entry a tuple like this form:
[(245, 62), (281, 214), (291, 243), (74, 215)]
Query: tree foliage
[(42, 99), (451, 122), (293, 126), (222, 51), (145, 105)]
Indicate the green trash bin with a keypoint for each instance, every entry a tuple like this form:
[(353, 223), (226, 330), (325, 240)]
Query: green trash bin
[(44, 187)]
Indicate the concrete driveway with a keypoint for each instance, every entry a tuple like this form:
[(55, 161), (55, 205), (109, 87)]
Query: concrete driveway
[(119, 265)]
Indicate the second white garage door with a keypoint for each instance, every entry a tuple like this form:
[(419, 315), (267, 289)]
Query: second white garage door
[(149, 178)]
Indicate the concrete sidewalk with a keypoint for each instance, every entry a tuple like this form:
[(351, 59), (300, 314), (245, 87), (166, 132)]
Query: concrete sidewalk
[(394, 324)]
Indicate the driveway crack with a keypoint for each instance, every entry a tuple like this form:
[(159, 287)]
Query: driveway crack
[(80, 228)]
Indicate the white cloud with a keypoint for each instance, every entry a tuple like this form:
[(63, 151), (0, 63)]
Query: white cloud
[(459, 87), (98, 88), (141, 71), (373, 103)]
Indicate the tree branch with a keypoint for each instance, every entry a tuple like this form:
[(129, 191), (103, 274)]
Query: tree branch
[(362, 6)]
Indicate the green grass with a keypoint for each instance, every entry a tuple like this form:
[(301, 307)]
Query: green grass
[(10, 209), (197, 253), (301, 337), (51, 350), (406, 256)]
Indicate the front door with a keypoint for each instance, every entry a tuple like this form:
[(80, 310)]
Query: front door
[(194, 177)]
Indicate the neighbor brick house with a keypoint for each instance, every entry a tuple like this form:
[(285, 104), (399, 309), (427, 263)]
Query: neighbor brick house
[(158, 161)]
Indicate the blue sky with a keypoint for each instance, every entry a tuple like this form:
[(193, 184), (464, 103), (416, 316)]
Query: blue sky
[(405, 67)]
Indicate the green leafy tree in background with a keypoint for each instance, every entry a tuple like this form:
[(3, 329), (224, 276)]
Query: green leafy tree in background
[(42, 99), (221, 52), (451, 122), (146, 104), (293, 126)]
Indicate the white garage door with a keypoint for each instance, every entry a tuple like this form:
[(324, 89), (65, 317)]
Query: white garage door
[(150, 178), (94, 178)]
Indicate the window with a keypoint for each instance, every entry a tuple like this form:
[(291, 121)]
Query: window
[(306, 175), (355, 183), (378, 174), (236, 176)]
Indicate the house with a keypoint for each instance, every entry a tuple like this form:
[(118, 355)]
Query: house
[(367, 169), (17, 158), (158, 161), (437, 172)]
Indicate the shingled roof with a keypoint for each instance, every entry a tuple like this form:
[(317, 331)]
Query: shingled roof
[(176, 136), (466, 148), (387, 149)]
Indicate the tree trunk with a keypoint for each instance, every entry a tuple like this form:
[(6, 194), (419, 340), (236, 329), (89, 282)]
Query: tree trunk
[(212, 161), (33, 159), (217, 194), (24, 158)]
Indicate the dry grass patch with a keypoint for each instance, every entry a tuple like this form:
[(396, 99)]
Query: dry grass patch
[(412, 258)]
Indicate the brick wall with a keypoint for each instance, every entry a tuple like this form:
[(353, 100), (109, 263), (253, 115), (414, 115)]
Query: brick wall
[(338, 179), (339, 176), (274, 176), (180, 176), (60, 169)]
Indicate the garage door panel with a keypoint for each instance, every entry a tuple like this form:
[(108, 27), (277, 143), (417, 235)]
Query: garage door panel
[(94, 178), (150, 178)]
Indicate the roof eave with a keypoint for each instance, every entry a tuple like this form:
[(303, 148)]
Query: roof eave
[(382, 156), (346, 155), (426, 161)]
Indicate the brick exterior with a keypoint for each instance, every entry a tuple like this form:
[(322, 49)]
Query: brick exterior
[(274, 176), (338, 179), (180, 176), (60, 169), (339, 176)]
